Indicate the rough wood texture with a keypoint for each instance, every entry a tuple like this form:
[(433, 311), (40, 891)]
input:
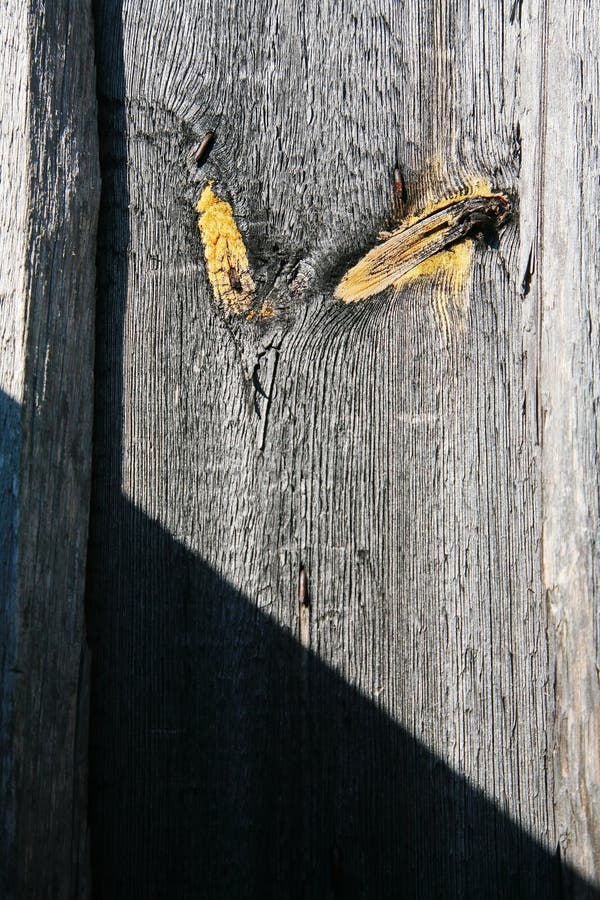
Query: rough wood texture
[(13, 40), (48, 208), (568, 261), (396, 737)]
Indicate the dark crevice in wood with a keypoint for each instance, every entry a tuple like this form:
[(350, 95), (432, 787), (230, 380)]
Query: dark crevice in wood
[(515, 12), (529, 270)]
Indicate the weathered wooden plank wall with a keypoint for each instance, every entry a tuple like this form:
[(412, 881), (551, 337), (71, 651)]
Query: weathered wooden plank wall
[(49, 193), (428, 725), (412, 733)]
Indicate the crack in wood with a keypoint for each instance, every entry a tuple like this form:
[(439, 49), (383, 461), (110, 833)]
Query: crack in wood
[(263, 389)]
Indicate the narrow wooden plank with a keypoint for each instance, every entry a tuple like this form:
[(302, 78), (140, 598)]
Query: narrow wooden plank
[(13, 83), (50, 189), (564, 238), (399, 731)]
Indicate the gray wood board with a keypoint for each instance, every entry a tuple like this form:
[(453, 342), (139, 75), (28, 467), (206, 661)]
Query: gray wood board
[(399, 735), (566, 253), (50, 194)]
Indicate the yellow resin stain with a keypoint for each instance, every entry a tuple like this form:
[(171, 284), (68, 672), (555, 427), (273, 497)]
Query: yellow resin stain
[(225, 253), (267, 311), (422, 237), (450, 268)]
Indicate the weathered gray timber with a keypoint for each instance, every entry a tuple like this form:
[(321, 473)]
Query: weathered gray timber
[(424, 723), (566, 249), (419, 729), (49, 193)]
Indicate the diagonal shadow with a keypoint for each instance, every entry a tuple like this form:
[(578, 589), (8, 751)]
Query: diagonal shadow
[(226, 760)]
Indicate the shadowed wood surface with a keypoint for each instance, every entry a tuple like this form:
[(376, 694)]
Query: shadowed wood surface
[(399, 735), (403, 734), (48, 208)]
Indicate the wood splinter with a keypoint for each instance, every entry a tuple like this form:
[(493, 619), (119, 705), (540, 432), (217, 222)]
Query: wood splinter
[(413, 243), (204, 147), (399, 192), (303, 598), (303, 608)]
